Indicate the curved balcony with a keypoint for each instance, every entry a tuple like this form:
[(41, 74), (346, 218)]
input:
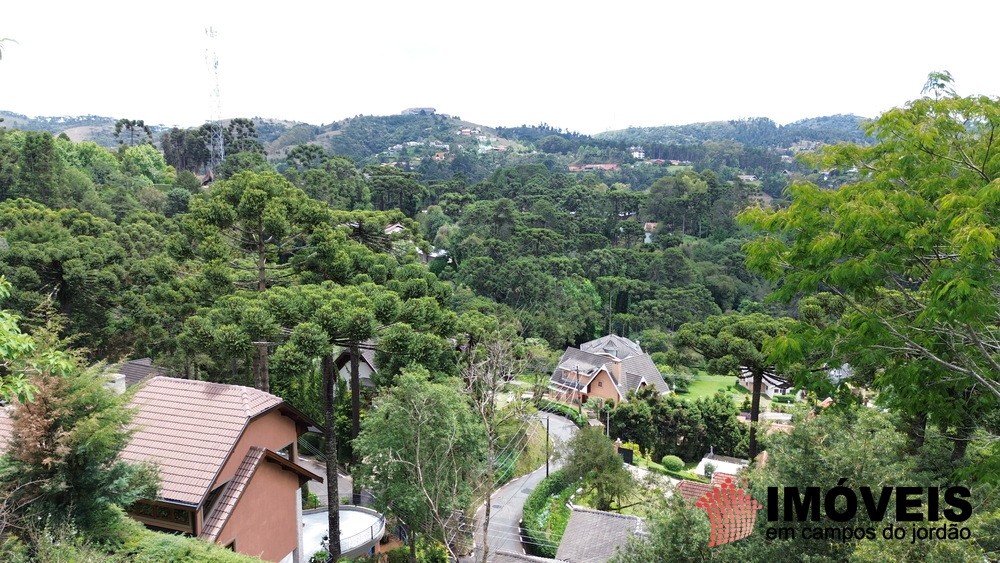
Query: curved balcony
[(360, 530)]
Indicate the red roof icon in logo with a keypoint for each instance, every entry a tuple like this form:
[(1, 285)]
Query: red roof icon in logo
[(731, 513)]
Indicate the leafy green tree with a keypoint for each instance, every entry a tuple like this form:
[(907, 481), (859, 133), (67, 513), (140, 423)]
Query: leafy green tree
[(146, 162), (14, 346), (592, 459), (240, 136), (909, 251), (264, 219), (676, 532), (69, 257), (237, 162), (423, 452)]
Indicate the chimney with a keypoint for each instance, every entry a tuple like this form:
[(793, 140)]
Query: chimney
[(615, 367)]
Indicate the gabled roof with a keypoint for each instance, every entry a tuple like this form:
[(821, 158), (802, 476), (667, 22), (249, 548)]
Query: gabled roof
[(234, 488), (636, 366), (232, 493), (367, 356), (592, 536), (188, 429), (613, 344), (574, 360), (642, 366)]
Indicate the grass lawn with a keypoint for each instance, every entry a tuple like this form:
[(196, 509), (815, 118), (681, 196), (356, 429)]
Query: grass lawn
[(707, 385)]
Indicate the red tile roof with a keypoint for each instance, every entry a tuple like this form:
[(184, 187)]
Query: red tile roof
[(188, 428), (719, 477), (693, 490)]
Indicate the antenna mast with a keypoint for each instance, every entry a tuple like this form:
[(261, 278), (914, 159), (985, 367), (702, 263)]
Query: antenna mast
[(216, 148)]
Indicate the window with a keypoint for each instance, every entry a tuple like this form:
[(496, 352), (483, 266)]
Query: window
[(285, 452), (600, 384)]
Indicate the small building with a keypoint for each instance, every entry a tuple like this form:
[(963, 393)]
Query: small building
[(722, 463), (394, 229), (594, 536), (772, 384)]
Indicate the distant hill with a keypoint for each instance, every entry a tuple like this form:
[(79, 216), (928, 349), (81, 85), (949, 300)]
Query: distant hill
[(753, 132), (417, 134), (359, 137)]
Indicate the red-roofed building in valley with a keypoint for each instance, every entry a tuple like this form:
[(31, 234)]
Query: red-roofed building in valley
[(227, 461)]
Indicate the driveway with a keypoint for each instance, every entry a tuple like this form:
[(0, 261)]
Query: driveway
[(508, 502)]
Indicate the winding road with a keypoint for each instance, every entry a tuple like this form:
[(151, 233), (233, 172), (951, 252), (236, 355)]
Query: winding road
[(508, 501)]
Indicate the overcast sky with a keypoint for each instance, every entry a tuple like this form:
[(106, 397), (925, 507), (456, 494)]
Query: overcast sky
[(582, 66)]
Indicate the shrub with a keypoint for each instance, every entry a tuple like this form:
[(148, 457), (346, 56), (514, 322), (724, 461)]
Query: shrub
[(156, 547), (398, 555), (784, 399), (672, 463), (546, 514)]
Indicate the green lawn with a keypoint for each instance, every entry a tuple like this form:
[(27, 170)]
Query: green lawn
[(707, 385)]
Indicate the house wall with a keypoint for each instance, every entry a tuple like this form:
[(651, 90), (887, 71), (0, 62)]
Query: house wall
[(272, 431), (602, 387), (264, 522), (364, 373)]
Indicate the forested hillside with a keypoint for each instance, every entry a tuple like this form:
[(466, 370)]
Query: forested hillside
[(753, 132)]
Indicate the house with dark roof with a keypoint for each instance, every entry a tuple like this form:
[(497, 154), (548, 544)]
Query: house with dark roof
[(593, 536), (227, 459), (366, 364), (606, 368)]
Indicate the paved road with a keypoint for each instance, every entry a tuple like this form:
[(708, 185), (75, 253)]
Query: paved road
[(508, 502)]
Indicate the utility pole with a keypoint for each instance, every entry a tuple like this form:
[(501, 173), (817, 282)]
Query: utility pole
[(546, 446)]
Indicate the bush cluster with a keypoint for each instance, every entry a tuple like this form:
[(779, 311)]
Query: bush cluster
[(546, 514)]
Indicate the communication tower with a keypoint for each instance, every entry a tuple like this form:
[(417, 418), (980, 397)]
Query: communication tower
[(216, 148)]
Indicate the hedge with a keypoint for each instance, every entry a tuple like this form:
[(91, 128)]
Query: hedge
[(563, 410), (546, 514)]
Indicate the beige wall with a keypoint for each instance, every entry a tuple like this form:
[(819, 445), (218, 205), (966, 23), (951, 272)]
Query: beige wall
[(272, 431), (264, 522), (602, 387)]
